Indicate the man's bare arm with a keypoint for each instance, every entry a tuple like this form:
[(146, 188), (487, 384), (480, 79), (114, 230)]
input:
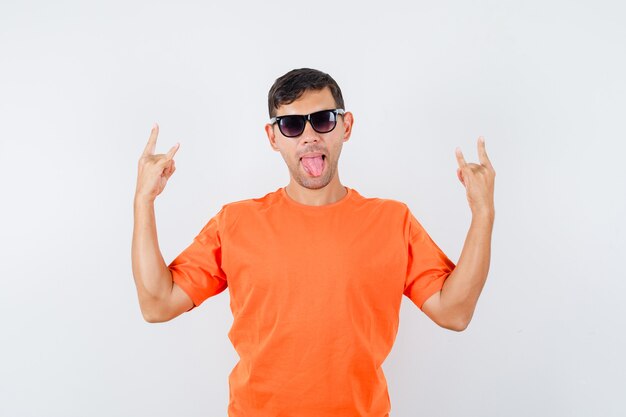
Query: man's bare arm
[(160, 299), (453, 307)]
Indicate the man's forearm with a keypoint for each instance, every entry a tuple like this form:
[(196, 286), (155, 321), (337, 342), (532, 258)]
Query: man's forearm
[(462, 288), (152, 277)]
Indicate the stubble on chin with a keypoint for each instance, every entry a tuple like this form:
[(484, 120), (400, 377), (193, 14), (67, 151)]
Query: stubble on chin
[(313, 183)]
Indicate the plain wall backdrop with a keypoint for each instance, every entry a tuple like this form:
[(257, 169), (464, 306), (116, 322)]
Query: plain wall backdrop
[(82, 82)]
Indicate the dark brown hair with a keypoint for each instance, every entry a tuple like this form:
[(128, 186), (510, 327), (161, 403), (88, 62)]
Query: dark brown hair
[(292, 85)]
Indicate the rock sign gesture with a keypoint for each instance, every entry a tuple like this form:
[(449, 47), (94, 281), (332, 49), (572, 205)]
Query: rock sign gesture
[(478, 180), (154, 170)]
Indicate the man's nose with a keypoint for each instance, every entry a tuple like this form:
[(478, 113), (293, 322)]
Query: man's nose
[(309, 134)]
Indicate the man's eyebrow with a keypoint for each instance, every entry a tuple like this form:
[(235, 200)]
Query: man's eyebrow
[(305, 114)]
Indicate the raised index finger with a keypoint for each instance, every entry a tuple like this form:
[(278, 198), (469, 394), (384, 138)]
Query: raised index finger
[(459, 157), (151, 145), (482, 153)]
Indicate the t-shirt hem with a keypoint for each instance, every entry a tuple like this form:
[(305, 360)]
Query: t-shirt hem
[(186, 287), (432, 288)]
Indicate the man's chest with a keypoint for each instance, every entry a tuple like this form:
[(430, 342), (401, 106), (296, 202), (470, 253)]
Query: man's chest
[(315, 260)]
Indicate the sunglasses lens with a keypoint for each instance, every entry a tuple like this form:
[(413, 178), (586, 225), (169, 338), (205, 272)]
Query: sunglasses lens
[(323, 121), (291, 126)]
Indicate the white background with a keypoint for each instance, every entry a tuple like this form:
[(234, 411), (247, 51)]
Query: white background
[(81, 84)]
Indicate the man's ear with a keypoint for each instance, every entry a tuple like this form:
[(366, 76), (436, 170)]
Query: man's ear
[(348, 122), (269, 130)]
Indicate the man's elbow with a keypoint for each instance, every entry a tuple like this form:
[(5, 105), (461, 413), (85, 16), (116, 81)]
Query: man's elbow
[(456, 319), (152, 318), (457, 324), (153, 314)]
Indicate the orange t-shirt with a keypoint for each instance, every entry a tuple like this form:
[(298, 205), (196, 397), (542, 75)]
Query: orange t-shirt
[(315, 293)]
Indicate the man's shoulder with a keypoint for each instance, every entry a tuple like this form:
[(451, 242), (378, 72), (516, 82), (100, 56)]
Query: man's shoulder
[(380, 203), (252, 203)]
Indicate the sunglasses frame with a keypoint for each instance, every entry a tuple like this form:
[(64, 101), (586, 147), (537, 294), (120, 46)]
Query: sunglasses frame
[(307, 117)]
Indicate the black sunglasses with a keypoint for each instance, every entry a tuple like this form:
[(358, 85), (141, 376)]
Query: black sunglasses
[(293, 125)]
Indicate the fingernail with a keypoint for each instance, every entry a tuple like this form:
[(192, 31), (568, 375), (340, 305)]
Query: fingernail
[(154, 126)]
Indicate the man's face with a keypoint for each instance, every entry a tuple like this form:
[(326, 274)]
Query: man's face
[(311, 142)]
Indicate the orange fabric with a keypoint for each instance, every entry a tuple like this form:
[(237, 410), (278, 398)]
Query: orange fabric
[(315, 294)]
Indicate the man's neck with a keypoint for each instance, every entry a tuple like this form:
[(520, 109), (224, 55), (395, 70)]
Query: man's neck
[(329, 194)]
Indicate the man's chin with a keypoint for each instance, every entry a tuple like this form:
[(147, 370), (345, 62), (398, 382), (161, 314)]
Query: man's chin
[(314, 183), (311, 182)]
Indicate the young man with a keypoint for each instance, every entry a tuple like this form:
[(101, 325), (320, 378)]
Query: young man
[(316, 272)]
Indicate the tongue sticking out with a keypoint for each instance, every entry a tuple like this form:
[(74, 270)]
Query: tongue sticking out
[(313, 165)]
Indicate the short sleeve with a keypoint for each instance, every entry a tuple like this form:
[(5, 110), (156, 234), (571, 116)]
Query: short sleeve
[(428, 267), (197, 269)]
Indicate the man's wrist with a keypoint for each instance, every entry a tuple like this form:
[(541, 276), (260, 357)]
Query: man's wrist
[(487, 215), (143, 201)]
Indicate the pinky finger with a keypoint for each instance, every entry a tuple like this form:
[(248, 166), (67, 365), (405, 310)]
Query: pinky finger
[(172, 151)]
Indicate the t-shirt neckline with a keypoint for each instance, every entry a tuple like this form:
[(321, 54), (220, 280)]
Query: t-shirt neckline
[(308, 207)]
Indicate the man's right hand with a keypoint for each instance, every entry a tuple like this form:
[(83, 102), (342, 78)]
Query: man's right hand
[(154, 170)]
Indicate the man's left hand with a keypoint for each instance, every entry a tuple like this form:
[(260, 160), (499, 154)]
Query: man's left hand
[(478, 180)]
